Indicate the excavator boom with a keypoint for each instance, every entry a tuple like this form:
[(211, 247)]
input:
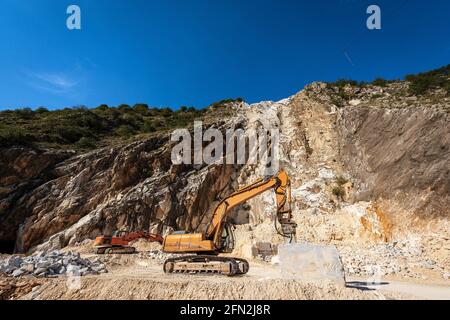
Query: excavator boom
[(280, 183)]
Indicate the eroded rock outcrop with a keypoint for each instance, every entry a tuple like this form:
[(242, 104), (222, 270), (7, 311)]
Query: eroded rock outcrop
[(399, 154), (22, 170)]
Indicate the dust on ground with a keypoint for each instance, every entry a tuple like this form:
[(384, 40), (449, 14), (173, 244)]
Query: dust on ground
[(133, 277), (140, 277)]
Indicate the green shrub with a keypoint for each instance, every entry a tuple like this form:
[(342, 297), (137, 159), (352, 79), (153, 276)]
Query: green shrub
[(224, 102), (112, 113), (70, 134), (337, 102), (10, 136), (141, 108), (41, 110), (149, 126), (377, 96), (53, 138), (90, 121), (186, 109), (124, 108), (166, 112), (25, 113), (340, 180), (125, 131), (338, 191), (344, 82), (158, 123), (102, 107), (419, 84), (86, 143), (131, 119), (341, 93), (447, 87), (380, 82)]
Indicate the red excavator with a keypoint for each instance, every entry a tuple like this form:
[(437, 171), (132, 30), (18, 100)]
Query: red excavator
[(119, 242)]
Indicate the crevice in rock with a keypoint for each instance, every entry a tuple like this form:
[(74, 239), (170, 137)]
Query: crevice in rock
[(7, 246)]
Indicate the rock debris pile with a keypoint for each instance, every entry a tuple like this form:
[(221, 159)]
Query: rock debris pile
[(400, 257), (51, 264)]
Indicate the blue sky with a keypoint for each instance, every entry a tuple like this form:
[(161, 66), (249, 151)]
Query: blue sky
[(194, 52)]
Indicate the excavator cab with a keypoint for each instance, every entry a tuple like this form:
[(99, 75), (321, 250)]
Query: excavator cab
[(120, 233)]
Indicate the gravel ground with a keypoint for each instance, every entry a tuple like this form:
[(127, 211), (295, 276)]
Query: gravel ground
[(144, 279)]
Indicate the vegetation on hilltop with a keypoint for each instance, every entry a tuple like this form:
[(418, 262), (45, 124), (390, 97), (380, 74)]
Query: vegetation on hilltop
[(81, 128), (341, 83), (423, 82), (419, 84)]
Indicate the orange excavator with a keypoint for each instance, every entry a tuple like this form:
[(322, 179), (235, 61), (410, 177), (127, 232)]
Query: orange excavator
[(218, 238), (119, 243)]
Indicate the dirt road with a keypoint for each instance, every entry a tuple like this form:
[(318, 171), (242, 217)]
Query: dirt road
[(133, 278), (417, 290)]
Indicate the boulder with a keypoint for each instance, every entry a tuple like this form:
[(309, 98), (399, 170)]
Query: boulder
[(18, 272), (310, 262)]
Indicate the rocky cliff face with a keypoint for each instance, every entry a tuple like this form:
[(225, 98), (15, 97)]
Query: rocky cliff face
[(21, 172), (364, 170), (395, 149), (133, 187), (401, 155)]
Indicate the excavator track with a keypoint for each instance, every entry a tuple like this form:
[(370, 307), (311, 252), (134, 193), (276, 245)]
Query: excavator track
[(116, 250), (206, 264)]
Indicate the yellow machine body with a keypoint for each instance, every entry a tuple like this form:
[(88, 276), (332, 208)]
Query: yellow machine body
[(191, 242)]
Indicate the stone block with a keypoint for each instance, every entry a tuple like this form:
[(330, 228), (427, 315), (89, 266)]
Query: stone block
[(311, 262)]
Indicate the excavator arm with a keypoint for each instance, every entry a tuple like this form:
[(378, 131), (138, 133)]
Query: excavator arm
[(280, 183)]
